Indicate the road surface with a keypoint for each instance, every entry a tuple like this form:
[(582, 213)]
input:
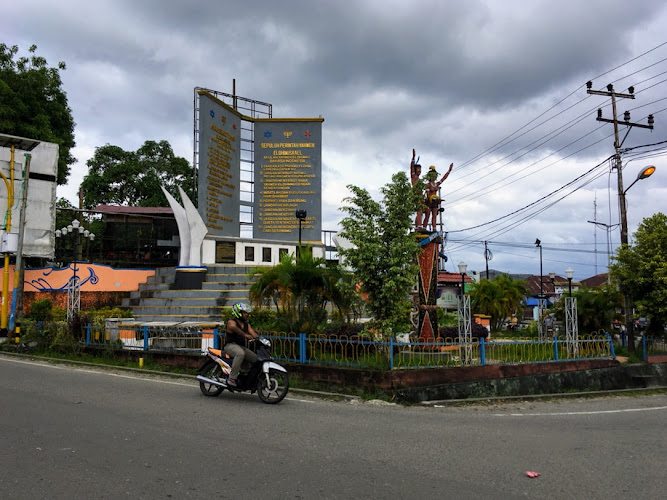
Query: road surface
[(71, 432)]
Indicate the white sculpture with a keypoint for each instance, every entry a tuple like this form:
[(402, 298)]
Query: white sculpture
[(191, 229)]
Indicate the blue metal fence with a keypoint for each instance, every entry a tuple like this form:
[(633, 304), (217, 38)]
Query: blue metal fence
[(363, 352), (653, 347)]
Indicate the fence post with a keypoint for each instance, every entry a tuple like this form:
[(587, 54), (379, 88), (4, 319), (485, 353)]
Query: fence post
[(88, 334), (391, 353), (145, 330), (302, 348), (556, 347), (216, 339), (482, 351), (644, 347), (611, 345)]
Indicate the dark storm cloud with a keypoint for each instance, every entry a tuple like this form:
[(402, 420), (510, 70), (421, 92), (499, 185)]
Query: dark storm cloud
[(449, 78)]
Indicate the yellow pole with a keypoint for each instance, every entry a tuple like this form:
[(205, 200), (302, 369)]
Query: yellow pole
[(5, 274)]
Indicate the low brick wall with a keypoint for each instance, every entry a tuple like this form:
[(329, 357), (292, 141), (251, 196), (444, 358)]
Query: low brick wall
[(414, 386)]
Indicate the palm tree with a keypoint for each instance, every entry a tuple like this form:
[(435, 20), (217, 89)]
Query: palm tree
[(300, 289), (499, 299)]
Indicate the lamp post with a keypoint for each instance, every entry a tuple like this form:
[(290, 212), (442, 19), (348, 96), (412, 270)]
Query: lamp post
[(569, 272), (300, 215), (462, 269), (607, 227), (571, 321), (540, 307), (645, 173), (73, 289), (465, 325)]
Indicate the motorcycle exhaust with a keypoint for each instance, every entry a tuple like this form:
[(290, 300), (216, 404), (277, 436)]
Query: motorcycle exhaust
[(211, 381)]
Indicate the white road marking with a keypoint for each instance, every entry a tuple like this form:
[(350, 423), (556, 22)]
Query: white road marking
[(138, 376), (597, 412)]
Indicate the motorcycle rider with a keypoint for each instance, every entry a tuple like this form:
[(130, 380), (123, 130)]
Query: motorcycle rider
[(237, 331)]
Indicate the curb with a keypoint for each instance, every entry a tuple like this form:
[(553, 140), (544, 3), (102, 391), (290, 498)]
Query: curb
[(305, 392), (536, 397)]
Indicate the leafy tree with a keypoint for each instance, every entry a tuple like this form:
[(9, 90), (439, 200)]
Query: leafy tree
[(499, 299), (65, 212), (384, 256), (120, 177), (34, 105), (299, 289), (596, 308), (641, 270)]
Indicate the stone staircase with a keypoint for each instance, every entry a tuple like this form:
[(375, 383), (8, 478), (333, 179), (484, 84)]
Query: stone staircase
[(157, 301)]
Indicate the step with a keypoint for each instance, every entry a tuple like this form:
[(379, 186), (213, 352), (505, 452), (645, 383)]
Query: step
[(176, 318), (225, 278), (154, 286), (177, 301), (223, 287), (166, 294)]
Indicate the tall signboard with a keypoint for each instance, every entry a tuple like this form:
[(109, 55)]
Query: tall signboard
[(285, 159), (40, 204), (288, 177), (219, 166)]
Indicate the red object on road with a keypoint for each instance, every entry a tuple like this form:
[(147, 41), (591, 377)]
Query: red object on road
[(532, 474)]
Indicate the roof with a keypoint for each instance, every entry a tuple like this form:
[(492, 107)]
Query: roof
[(454, 278), (21, 143), (122, 210), (595, 281)]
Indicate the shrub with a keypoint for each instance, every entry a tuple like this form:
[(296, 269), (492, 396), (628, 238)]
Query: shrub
[(452, 332), (41, 310), (98, 317)]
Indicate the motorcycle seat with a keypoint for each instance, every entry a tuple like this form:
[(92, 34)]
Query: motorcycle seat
[(217, 352)]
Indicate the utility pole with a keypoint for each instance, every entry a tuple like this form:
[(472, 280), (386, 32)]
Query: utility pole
[(619, 171)]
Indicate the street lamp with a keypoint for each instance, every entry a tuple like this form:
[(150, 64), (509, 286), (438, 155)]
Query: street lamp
[(300, 215), (569, 272), (462, 269), (538, 244), (647, 172), (73, 290)]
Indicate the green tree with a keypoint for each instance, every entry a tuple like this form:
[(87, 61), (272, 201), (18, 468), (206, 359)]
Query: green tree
[(641, 270), (384, 256), (596, 308), (65, 212), (34, 105), (300, 290), (120, 177), (498, 298)]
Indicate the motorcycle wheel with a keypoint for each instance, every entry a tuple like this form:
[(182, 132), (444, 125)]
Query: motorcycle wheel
[(277, 389), (207, 388)]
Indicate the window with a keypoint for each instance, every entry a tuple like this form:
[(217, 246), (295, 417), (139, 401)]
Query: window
[(249, 254), (266, 254)]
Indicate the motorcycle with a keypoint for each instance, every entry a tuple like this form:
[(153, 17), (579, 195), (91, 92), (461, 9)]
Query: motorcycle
[(265, 376)]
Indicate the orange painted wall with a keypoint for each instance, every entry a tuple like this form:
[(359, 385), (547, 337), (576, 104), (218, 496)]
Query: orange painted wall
[(94, 278)]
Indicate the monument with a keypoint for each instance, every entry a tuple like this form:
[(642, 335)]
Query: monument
[(430, 241), (254, 174)]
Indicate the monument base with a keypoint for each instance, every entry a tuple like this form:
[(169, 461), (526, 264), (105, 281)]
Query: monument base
[(189, 278)]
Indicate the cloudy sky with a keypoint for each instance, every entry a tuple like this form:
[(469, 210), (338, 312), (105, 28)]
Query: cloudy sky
[(495, 86)]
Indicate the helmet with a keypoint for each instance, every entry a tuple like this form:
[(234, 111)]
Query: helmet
[(239, 308)]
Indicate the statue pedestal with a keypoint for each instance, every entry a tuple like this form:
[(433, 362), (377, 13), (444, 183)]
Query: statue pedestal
[(189, 278), (428, 288)]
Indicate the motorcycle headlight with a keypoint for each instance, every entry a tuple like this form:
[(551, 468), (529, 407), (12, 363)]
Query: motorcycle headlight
[(265, 342)]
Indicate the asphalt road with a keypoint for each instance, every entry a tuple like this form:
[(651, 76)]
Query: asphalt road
[(68, 432)]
